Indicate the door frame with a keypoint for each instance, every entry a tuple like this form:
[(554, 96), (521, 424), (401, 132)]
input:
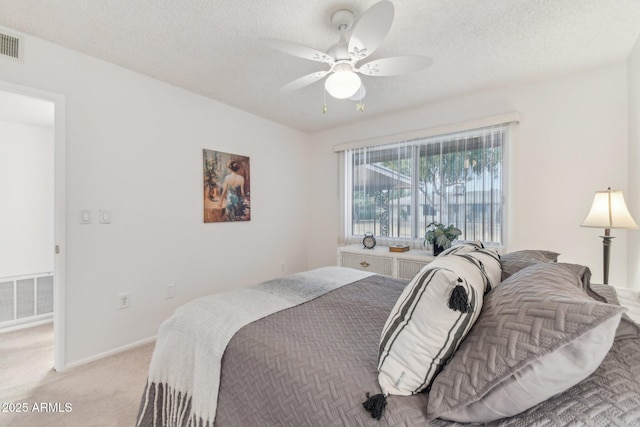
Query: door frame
[(60, 168)]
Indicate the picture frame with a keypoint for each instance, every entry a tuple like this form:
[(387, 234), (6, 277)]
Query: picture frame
[(226, 187)]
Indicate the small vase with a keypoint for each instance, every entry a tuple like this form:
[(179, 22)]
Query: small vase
[(437, 250)]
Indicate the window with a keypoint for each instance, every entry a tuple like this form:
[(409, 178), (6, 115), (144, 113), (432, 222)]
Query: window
[(395, 190)]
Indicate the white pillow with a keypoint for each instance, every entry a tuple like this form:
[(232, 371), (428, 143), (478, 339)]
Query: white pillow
[(488, 259), (488, 262), (431, 317), (460, 247)]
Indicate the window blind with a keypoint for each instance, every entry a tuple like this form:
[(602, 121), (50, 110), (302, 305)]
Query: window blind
[(396, 190)]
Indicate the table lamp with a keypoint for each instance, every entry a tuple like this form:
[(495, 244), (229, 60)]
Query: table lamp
[(608, 211)]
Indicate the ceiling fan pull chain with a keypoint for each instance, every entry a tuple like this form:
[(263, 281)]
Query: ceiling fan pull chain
[(359, 103), (324, 100)]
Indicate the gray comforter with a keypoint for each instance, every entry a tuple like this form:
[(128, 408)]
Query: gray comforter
[(312, 365)]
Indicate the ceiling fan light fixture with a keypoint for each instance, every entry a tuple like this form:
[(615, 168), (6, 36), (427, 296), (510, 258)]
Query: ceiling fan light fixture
[(344, 58), (343, 84), (360, 94)]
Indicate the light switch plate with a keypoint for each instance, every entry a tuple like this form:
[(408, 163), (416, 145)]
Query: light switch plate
[(105, 216), (85, 216)]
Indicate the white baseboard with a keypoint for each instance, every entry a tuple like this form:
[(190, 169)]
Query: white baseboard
[(108, 353), (28, 324)]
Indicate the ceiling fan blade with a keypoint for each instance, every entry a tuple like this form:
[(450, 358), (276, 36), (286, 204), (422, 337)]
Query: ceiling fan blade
[(304, 81), (395, 65), (299, 50), (371, 29)]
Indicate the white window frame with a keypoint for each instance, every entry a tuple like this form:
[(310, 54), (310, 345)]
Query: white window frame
[(509, 120)]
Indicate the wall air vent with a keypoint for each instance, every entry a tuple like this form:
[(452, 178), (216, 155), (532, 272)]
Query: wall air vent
[(10, 47), (25, 299)]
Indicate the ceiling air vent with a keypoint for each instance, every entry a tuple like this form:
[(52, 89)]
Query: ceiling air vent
[(10, 47)]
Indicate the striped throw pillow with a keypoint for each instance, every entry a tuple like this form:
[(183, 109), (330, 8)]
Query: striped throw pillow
[(428, 322), (488, 261), (462, 247)]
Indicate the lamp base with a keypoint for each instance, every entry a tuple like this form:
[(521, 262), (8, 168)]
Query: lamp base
[(606, 254)]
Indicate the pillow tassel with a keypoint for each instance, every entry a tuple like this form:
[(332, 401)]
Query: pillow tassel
[(459, 300), (375, 405)]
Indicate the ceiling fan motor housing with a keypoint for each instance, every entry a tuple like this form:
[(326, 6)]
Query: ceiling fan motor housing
[(342, 20)]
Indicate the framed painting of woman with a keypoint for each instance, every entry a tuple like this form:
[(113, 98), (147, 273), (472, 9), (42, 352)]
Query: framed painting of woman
[(226, 185)]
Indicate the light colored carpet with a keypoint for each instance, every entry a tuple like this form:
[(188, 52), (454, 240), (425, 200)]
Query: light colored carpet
[(103, 393)]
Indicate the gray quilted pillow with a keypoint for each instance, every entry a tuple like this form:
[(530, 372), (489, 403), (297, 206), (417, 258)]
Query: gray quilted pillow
[(513, 262), (627, 328), (538, 334), (605, 293)]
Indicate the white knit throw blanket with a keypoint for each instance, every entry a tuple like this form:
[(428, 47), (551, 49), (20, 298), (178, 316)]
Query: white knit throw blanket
[(186, 361)]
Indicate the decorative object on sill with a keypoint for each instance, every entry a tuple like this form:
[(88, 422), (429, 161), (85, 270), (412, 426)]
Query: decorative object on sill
[(608, 211), (440, 236), (399, 248), (369, 242), (342, 58)]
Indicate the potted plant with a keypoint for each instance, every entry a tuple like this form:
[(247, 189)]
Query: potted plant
[(440, 236)]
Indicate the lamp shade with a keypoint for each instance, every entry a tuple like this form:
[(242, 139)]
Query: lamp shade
[(609, 211)]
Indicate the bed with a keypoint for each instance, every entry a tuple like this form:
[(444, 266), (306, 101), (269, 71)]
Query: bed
[(304, 350)]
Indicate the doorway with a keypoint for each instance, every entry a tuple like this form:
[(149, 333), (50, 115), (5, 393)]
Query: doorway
[(37, 118)]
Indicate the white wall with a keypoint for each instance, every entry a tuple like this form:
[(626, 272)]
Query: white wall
[(633, 195), (26, 199), (134, 146), (572, 142)]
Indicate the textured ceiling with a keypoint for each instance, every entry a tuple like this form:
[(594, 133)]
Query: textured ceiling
[(212, 47)]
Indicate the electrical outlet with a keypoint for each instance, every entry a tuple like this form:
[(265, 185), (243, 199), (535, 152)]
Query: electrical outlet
[(123, 300), (170, 291)]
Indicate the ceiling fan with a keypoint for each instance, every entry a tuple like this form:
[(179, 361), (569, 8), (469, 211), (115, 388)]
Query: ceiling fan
[(343, 58)]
